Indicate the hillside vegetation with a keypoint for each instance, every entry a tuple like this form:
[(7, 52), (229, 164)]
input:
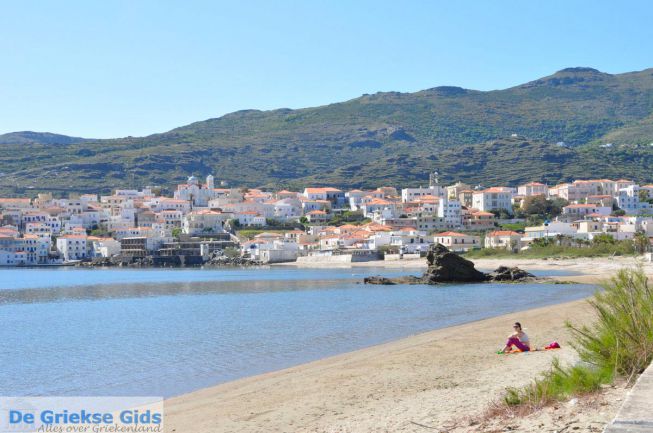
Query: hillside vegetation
[(385, 138)]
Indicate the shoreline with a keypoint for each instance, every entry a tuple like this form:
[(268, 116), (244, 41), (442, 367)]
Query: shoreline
[(584, 269), (429, 378), (443, 379)]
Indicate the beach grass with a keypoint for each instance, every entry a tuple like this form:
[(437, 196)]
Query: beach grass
[(619, 344)]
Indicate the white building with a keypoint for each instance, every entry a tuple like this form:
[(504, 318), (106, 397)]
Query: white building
[(171, 218), (410, 194), (72, 247), (550, 230), (29, 250), (410, 241), (205, 222), (355, 198), (103, 247), (533, 188), (164, 203), (495, 198), (193, 192), (505, 239), (250, 218), (287, 208), (458, 242), (371, 206), (576, 211), (450, 211), (628, 200)]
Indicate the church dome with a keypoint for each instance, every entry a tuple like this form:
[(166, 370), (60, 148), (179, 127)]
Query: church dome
[(192, 180)]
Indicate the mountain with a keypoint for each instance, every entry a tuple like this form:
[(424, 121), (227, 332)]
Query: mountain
[(560, 122), (29, 137)]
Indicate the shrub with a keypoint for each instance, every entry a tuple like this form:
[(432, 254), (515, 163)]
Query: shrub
[(232, 252), (559, 383), (621, 339), (618, 344)]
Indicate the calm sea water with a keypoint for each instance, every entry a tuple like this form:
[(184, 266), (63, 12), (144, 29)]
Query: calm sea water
[(67, 331)]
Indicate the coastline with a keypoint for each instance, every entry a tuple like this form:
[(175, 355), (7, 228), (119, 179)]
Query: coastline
[(444, 377), (584, 269)]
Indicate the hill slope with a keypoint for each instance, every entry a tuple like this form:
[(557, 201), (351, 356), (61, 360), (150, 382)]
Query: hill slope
[(30, 137), (385, 138)]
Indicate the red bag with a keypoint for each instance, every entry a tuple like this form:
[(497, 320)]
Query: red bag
[(553, 345)]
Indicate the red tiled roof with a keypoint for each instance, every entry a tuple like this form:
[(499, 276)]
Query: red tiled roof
[(503, 233), (450, 234), (497, 189)]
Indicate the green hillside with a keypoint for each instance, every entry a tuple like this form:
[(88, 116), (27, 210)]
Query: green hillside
[(30, 137), (386, 138)]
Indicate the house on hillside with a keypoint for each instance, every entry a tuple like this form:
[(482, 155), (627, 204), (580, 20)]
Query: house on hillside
[(495, 198), (533, 188), (458, 242), (317, 217), (578, 211), (505, 239)]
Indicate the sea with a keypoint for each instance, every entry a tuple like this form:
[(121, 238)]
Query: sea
[(163, 332)]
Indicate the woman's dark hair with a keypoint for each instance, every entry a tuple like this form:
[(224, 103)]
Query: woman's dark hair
[(518, 324)]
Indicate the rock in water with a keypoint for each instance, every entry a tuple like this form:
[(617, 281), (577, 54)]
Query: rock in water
[(379, 280), (408, 279), (446, 267), (504, 273)]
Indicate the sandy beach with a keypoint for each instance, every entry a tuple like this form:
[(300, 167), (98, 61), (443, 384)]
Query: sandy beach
[(585, 265), (443, 380), (585, 269)]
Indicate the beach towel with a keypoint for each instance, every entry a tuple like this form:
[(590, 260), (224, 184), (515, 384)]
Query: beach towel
[(550, 346)]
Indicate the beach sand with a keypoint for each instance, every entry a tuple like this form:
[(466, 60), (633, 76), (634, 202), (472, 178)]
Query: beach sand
[(586, 269), (443, 380)]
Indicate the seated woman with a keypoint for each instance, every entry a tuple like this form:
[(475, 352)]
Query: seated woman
[(519, 339)]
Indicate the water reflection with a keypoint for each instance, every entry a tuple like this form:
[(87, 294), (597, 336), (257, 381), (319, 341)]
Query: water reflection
[(117, 291)]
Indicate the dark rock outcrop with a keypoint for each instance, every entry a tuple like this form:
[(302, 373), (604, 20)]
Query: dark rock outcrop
[(504, 273), (409, 279), (446, 267)]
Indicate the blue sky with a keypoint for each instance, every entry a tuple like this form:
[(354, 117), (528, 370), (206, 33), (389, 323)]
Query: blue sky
[(116, 68)]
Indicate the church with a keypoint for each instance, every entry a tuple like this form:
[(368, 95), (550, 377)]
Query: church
[(198, 195)]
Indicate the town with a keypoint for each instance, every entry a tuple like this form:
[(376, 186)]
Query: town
[(204, 224)]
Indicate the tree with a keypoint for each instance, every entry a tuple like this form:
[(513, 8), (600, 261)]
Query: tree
[(603, 238), (543, 242), (502, 214), (556, 206), (99, 232), (641, 242), (535, 205), (271, 222), (540, 205), (176, 232)]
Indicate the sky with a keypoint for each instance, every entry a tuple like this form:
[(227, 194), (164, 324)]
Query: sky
[(103, 69)]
